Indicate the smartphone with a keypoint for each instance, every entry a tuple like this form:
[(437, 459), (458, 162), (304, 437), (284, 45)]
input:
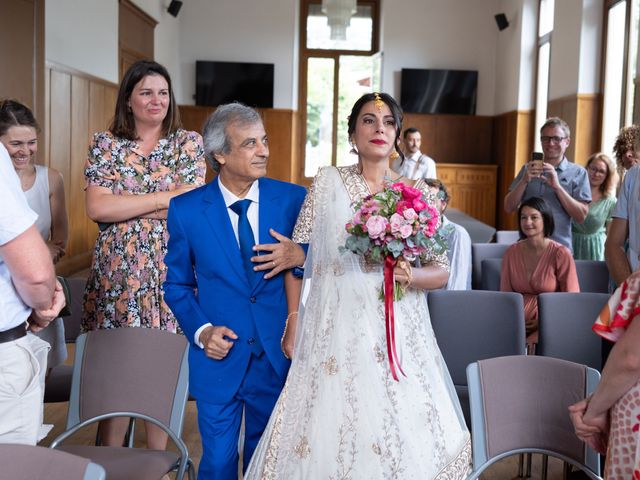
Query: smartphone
[(537, 158)]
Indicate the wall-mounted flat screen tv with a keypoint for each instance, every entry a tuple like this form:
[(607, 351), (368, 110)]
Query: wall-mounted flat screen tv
[(224, 82), (439, 91)]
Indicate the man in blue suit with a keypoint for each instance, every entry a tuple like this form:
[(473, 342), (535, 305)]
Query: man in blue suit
[(233, 317)]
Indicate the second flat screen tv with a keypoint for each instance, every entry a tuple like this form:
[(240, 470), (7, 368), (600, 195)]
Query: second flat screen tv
[(224, 82), (439, 91)]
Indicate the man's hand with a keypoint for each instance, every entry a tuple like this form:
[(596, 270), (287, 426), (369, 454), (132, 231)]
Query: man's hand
[(283, 255), (40, 319), (532, 170), (214, 342), (550, 176)]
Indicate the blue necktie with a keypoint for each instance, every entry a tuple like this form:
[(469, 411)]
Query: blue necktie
[(245, 236)]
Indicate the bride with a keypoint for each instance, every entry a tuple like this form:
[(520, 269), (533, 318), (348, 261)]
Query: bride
[(341, 415)]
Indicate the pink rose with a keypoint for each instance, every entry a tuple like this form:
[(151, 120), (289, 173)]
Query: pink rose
[(410, 213), (402, 205), (406, 231), (396, 222), (377, 226)]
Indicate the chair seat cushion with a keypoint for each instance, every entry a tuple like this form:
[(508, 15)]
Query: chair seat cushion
[(123, 463)]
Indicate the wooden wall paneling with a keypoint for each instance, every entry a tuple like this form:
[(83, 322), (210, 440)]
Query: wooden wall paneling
[(567, 109), (472, 188), (512, 146), (60, 144), (279, 127), (454, 138), (587, 135), (80, 101)]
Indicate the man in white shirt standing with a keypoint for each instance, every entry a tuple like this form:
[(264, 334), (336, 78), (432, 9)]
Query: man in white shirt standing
[(457, 239), (415, 164), (30, 297)]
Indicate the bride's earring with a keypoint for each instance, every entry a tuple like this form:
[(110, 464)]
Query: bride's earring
[(353, 150), (394, 155)]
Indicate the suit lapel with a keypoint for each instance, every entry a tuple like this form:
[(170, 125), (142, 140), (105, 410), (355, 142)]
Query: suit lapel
[(218, 219)]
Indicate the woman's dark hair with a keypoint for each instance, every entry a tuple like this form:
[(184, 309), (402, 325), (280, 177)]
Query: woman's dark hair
[(396, 111), (123, 124), (15, 114), (540, 205)]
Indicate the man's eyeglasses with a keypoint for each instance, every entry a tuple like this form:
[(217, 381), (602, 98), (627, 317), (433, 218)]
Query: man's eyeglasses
[(556, 140)]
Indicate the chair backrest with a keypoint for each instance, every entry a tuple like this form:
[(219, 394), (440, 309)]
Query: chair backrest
[(480, 251), (491, 271), (27, 462), (76, 294), (593, 276), (138, 370), (507, 236), (519, 403), (473, 325), (565, 321)]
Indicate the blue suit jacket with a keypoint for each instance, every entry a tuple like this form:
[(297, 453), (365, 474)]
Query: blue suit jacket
[(206, 282)]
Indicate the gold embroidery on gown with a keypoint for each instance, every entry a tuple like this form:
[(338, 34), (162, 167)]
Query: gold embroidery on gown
[(341, 415)]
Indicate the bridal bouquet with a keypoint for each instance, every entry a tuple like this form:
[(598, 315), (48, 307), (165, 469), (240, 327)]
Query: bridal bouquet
[(394, 224)]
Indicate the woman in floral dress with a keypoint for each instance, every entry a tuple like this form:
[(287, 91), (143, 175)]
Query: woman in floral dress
[(610, 419), (132, 172)]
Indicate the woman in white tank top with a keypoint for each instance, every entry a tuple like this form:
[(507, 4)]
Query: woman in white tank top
[(44, 190)]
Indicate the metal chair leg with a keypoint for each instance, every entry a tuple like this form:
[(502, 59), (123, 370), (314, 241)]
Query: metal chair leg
[(545, 466), (527, 472)]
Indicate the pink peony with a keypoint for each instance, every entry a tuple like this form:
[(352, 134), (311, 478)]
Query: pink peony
[(402, 205), (419, 205), (396, 221), (410, 193), (377, 226)]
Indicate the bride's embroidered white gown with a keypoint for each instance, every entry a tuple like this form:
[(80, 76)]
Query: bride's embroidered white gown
[(341, 415)]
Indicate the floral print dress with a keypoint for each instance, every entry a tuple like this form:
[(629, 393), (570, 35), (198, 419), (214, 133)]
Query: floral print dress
[(124, 288)]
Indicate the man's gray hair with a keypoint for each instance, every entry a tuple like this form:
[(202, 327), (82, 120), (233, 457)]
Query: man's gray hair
[(214, 132), (556, 122)]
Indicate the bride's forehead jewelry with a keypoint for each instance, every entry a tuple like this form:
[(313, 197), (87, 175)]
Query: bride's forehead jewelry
[(378, 101)]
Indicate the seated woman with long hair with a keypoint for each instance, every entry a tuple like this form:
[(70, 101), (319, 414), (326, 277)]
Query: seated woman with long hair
[(536, 264)]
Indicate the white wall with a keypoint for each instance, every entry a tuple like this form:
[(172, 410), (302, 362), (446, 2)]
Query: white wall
[(452, 34), (241, 31), (590, 47), (166, 36), (565, 48), (83, 34)]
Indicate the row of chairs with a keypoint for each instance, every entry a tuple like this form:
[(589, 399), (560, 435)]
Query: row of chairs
[(474, 326), (593, 275)]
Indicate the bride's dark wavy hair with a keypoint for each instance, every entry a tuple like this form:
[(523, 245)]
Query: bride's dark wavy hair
[(396, 111)]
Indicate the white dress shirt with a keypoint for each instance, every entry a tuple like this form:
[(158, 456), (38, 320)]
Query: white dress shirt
[(416, 166)]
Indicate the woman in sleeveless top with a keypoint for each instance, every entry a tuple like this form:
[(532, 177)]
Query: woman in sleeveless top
[(44, 190)]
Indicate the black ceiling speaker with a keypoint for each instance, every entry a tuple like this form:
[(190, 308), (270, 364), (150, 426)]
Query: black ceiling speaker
[(174, 7), (501, 20)]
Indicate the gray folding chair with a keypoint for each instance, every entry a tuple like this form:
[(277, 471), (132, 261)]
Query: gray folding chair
[(480, 251), (473, 325), (565, 321), (27, 462), (130, 372), (593, 276), (519, 405), (507, 236), (491, 271)]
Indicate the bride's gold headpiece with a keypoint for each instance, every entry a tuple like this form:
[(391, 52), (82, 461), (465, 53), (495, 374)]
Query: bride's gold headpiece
[(378, 102)]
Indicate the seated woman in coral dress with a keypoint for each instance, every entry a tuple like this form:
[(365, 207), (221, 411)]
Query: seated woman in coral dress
[(536, 264)]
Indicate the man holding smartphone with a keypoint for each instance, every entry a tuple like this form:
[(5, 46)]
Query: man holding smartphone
[(561, 183)]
